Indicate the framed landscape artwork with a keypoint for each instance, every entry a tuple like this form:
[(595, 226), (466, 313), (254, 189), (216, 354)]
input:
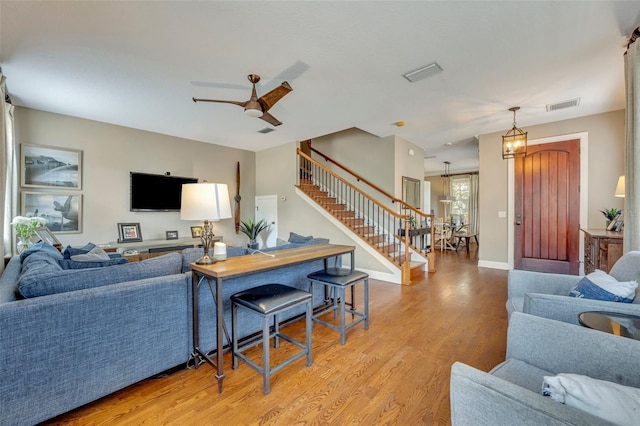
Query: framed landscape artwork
[(62, 211), (49, 167)]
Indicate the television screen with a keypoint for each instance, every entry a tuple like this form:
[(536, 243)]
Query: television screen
[(156, 193)]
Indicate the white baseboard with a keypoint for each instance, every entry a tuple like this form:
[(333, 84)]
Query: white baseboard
[(493, 265)]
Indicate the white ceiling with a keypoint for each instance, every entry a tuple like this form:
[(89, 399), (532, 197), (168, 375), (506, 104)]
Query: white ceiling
[(138, 64)]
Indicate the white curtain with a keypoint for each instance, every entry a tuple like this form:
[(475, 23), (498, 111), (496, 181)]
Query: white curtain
[(9, 172), (632, 156), (473, 202)]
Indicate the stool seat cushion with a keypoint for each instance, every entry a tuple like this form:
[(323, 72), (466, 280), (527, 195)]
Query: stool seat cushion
[(338, 276), (270, 297)]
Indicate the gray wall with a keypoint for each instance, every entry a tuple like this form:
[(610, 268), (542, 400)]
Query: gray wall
[(605, 163), (111, 152)]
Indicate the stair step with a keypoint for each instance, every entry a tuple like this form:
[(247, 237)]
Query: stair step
[(344, 214), (334, 206), (326, 199), (363, 229), (377, 238), (353, 221)]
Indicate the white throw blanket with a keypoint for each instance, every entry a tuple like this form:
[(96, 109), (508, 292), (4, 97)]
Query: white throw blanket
[(610, 401)]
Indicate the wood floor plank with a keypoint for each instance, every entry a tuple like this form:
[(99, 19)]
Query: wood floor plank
[(395, 373)]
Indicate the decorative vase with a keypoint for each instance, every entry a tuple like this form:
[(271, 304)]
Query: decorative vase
[(253, 245), (23, 243)]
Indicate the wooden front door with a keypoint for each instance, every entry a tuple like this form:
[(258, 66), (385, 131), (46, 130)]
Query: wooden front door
[(547, 208)]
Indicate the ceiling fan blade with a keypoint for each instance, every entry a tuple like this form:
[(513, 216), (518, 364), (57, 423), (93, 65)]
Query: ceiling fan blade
[(242, 104), (269, 99), (270, 119)]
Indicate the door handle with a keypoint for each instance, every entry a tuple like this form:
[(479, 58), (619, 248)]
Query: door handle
[(518, 223)]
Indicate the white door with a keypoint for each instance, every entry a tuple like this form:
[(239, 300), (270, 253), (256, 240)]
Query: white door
[(267, 208)]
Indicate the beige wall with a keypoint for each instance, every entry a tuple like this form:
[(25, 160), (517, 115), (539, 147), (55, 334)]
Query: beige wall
[(275, 175), (605, 162), (407, 165), (111, 152)]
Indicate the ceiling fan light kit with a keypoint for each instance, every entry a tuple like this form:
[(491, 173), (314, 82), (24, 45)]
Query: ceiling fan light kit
[(258, 107), (514, 143)]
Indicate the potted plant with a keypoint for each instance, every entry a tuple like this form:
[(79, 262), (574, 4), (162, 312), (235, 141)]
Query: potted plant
[(252, 229), (611, 214)]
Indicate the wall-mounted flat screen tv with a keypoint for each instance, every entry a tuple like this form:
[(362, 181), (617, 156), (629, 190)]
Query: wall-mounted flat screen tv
[(157, 193)]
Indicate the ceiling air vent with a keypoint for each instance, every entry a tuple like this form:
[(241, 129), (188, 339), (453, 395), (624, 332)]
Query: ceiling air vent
[(562, 105), (266, 130), (424, 72)]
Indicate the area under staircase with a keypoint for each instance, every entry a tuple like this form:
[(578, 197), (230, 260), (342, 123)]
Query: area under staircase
[(386, 227)]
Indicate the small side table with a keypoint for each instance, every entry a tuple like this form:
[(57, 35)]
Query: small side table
[(624, 325)]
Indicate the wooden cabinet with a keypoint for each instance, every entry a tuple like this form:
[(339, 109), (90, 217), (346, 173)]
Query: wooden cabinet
[(601, 249)]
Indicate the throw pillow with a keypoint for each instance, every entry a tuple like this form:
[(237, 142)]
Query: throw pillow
[(73, 251), (599, 285), (94, 254), (298, 239), (86, 264), (610, 401)]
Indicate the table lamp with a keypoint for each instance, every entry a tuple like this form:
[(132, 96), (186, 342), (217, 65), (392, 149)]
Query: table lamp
[(207, 202)]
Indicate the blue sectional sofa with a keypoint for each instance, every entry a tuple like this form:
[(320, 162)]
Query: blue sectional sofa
[(83, 334)]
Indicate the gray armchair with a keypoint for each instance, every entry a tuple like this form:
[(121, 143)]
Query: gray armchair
[(546, 295), (511, 393)]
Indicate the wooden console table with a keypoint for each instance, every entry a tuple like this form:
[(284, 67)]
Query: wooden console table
[(244, 265), (601, 249)]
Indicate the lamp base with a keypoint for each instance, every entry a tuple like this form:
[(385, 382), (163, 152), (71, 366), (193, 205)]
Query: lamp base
[(205, 260)]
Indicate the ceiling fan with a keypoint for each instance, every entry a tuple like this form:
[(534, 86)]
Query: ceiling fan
[(258, 107)]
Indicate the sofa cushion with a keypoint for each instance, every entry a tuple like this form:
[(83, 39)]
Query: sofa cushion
[(52, 280), (298, 239), (520, 373), (610, 401), (599, 285), (41, 248)]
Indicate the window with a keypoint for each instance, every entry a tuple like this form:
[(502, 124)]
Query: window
[(460, 190)]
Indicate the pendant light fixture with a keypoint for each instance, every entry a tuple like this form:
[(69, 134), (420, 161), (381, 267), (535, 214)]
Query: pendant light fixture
[(514, 143), (446, 186)]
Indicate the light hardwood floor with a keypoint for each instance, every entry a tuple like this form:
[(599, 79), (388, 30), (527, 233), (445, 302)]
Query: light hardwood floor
[(395, 373)]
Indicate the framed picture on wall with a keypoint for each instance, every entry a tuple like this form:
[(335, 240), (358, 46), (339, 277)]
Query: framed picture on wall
[(63, 211), (49, 167), (129, 233), (172, 235)]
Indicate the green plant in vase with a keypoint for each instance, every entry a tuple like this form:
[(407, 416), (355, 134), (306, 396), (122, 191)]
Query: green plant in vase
[(611, 214), (252, 229)]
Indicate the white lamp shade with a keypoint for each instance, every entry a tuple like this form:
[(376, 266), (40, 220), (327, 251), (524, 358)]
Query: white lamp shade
[(205, 201), (620, 187)]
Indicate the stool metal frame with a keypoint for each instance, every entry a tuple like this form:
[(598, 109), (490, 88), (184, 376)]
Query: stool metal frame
[(338, 279), (268, 301)]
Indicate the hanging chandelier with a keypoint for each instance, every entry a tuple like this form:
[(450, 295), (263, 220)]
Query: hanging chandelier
[(445, 197), (514, 143)]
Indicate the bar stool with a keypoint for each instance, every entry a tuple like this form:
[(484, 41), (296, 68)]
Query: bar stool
[(268, 301), (338, 279)]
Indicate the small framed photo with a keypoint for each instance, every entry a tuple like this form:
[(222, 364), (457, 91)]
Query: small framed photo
[(172, 235), (50, 167), (46, 235), (63, 212), (129, 233), (196, 231)]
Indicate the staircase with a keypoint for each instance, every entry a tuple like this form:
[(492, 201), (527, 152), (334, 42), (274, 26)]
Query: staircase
[(370, 220)]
